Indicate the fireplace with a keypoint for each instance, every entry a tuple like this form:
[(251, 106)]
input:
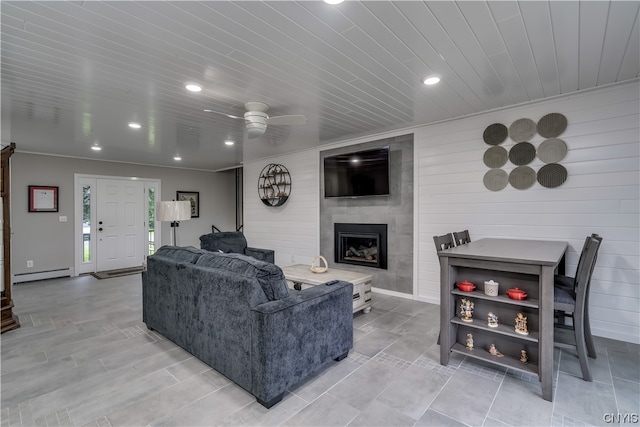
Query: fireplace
[(361, 244)]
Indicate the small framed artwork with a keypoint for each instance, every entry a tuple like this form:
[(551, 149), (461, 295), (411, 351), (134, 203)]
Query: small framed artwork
[(194, 198), (43, 198)]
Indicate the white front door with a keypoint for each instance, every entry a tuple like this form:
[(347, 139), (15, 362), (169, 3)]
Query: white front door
[(120, 224)]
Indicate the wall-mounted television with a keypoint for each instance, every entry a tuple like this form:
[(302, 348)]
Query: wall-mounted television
[(357, 174)]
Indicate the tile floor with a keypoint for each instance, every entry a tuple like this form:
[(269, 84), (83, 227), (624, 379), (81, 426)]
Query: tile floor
[(84, 357)]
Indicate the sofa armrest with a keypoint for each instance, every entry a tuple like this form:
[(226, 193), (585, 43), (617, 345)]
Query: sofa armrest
[(267, 255), (295, 336)]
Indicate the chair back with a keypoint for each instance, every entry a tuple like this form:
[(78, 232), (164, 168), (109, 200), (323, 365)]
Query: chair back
[(443, 242), (581, 260), (583, 276), (461, 237)]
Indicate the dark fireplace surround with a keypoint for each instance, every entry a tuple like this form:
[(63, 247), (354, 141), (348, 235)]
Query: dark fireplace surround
[(361, 244)]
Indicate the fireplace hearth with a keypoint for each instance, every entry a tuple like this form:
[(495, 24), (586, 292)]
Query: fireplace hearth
[(361, 244)]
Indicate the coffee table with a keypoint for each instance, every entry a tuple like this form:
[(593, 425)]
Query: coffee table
[(301, 277)]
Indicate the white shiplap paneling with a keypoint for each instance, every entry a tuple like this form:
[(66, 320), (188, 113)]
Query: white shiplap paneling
[(292, 229), (601, 195)]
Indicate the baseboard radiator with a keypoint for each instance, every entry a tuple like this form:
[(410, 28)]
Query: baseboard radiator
[(42, 275)]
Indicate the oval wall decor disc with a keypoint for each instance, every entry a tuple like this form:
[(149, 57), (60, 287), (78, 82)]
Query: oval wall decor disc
[(522, 153), (496, 179), (522, 130), (552, 175), (552, 150), (552, 125), (522, 177), (495, 134), (495, 157)]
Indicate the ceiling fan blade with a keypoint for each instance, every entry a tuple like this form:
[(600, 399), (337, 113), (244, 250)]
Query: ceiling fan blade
[(296, 119), (224, 114)]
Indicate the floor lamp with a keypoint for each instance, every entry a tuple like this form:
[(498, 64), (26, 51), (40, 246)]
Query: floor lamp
[(175, 212)]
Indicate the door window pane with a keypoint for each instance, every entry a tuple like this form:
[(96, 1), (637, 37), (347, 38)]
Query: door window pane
[(152, 220), (86, 224)]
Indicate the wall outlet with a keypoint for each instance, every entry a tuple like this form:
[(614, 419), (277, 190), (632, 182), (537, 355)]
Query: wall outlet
[(63, 218), (30, 263)]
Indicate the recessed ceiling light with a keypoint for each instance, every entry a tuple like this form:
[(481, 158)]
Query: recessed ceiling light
[(229, 142), (193, 87), (431, 80), (134, 125), (355, 160), (96, 148), (177, 158), (333, 1)]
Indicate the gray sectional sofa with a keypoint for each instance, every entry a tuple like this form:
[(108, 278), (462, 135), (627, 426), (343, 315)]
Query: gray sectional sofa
[(237, 314)]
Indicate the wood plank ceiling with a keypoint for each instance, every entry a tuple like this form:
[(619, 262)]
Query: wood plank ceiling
[(75, 73)]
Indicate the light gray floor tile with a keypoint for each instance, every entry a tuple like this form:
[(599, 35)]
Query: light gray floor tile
[(599, 367), (255, 414), (423, 323), (412, 308), (627, 396), (65, 349), (625, 365), (463, 403), (23, 362), (389, 321), (374, 342), (324, 411), (361, 319), (379, 414), (358, 333), (432, 418), (516, 397), (210, 410), (365, 384), (106, 350), (409, 347), (490, 422), (582, 400), (328, 377), (158, 405), (188, 368), (413, 390)]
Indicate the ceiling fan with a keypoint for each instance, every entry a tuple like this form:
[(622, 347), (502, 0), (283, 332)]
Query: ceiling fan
[(256, 118)]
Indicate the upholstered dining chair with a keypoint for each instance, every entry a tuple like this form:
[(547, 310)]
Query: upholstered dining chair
[(569, 284), (575, 303), (461, 237), (443, 242)]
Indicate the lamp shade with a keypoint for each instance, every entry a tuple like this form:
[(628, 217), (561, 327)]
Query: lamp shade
[(173, 211)]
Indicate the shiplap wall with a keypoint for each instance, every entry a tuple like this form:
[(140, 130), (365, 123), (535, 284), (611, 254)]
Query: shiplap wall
[(292, 229), (600, 196)]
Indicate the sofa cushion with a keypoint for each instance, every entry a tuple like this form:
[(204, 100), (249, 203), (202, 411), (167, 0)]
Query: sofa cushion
[(180, 253), (225, 241), (270, 276)]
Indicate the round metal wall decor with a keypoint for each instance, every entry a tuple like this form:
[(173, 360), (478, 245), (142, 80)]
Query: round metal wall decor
[(522, 130), (522, 177), (552, 125), (495, 179), (274, 185), (552, 150), (495, 157), (522, 153), (495, 134), (552, 175)]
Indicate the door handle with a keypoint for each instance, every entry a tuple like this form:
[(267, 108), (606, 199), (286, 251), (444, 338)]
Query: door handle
[(100, 222), (100, 229)]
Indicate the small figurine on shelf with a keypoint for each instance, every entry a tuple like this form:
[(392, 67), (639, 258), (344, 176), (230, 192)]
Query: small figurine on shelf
[(466, 310), (523, 356), (521, 324), (469, 342), (492, 320), (494, 351)]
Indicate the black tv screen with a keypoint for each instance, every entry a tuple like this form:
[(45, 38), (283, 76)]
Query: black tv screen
[(363, 173)]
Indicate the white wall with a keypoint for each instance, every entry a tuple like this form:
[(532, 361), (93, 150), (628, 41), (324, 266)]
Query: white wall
[(292, 230), (600, 196), (49, 243)]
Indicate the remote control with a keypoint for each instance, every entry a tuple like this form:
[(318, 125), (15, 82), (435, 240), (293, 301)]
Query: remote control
[(332, 282)]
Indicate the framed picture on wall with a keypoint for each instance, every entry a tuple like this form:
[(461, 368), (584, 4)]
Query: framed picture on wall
[(43, 198), (194, 198)]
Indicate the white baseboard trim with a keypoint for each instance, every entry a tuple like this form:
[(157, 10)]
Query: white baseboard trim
[(392, 293), (42, 275)]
